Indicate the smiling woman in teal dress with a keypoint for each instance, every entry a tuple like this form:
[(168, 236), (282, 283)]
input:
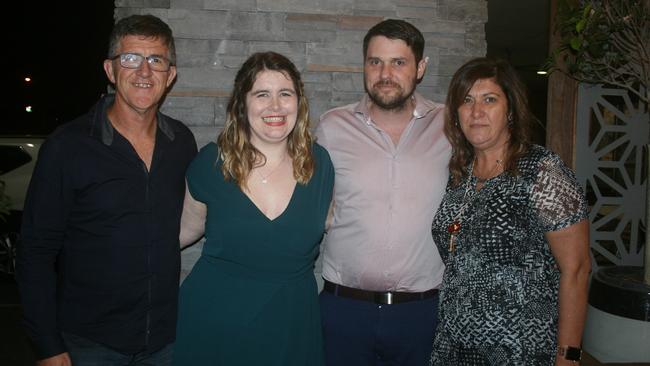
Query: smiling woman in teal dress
[(261, 196)]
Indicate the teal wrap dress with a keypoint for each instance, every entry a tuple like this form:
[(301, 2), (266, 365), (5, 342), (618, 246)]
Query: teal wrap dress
[(251, 298)]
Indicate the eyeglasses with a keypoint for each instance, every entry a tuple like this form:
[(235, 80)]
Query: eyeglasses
[(134, 60)]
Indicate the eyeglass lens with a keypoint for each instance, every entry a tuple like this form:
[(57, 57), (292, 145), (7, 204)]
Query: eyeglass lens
[(134, 60)]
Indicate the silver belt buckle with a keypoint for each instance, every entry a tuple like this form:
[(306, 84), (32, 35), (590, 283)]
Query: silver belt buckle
[(385, 298)]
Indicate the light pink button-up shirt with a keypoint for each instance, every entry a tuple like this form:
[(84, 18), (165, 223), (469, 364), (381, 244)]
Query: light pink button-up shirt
[(385, 197)]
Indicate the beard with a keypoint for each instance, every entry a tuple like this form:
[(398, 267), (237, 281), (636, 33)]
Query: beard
[(394, 102)]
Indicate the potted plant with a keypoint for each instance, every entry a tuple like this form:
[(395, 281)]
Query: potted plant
[(608, 42)]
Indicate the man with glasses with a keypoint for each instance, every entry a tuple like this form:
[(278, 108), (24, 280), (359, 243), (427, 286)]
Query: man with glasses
[(99, 263)]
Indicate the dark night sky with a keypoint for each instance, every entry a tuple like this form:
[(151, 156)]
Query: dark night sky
[(61, 46)]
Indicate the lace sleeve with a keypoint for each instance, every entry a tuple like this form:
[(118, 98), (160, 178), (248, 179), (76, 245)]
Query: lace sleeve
[(556, 195)]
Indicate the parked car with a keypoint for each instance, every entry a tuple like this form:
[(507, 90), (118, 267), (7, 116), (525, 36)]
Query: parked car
[(19, 155)]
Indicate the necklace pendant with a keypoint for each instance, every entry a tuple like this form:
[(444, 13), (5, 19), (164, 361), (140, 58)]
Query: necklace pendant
[(264, 180), (453, 228), (452, 243)]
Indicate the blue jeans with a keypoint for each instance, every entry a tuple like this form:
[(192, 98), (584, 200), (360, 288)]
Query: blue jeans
[(359, 333), (84, 352)]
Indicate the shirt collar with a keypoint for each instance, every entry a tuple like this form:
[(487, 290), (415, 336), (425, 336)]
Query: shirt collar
[(102, 128), (422, 106)]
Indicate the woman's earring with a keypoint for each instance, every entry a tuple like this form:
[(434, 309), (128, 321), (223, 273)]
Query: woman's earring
[(510, 121)]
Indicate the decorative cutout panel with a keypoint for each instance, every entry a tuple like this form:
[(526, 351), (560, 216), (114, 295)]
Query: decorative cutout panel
[(612, 132)]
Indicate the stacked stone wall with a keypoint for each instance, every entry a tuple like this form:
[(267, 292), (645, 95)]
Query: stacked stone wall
[(322, 37)]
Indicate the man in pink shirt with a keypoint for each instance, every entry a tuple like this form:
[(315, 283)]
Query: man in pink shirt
[(390, 154)]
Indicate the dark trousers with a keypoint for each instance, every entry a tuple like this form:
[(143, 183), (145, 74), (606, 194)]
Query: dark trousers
[(360, 333), (84, 352)]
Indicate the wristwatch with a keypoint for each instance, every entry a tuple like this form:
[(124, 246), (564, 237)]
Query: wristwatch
[(570, 353)]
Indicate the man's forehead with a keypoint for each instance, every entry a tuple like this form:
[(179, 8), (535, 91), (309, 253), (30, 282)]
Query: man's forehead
[(152, 41), (137, 42), (388, 48)]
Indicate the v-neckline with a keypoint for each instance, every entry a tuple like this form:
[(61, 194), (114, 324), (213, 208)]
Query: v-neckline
[(259, 211)]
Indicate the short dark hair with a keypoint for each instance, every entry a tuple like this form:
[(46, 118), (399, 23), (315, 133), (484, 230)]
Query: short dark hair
[(397, 29), (520, 120), (142, 25)]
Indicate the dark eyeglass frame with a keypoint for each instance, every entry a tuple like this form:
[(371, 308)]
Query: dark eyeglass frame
[(150, 60)]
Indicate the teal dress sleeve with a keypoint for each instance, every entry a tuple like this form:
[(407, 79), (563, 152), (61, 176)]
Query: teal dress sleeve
[(202, 168)]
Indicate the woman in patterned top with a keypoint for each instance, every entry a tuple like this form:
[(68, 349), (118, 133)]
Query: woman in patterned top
[(512, 231)]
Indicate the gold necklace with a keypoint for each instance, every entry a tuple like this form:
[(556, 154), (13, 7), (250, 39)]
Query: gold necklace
[(490, 174), (265, 179), (454, 228)]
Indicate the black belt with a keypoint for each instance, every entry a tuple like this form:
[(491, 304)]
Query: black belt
[(386, 298)]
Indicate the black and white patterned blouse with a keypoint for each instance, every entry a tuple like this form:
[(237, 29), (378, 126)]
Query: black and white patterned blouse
[(499, 296)]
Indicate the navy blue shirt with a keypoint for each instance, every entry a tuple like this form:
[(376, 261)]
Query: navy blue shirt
[(99, 256)]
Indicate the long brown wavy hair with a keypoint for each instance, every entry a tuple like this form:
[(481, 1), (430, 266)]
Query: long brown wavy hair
[(238, 155), (519, 117)]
